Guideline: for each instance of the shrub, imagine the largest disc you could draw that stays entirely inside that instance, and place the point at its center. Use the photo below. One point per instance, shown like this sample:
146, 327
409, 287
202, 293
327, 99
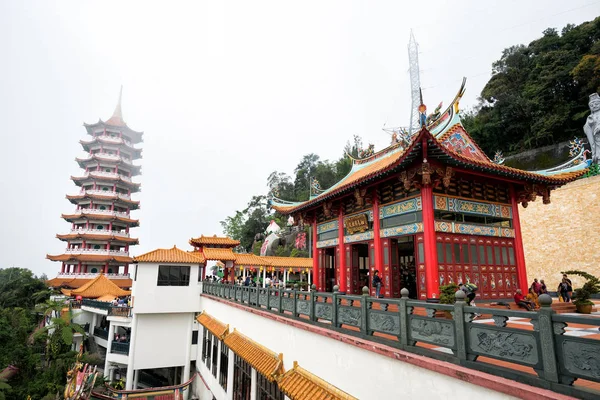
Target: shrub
582, 295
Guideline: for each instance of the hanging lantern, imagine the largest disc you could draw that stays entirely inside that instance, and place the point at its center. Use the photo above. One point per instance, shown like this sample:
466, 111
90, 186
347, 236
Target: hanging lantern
241, 267
290, 271
261, 269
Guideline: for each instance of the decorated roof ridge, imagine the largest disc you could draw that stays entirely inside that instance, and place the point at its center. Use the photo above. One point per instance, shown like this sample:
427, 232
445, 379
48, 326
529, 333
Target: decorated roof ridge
109, 194
101, 178
214, 240
90, 258
300, 384
102, 217
99, 286
263, 359
94, 236
216, 327
116, 120
173, 255
458, 128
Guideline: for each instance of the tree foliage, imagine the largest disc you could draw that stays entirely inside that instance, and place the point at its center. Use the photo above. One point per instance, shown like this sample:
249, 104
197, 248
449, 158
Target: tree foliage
538, 94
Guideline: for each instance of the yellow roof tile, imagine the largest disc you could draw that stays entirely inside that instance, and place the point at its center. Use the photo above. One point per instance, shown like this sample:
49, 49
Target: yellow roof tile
98, 287
215, 254
214, 240
289, 262
299, 384
171, 256
251, 260
215, 326
74, 283
265, 361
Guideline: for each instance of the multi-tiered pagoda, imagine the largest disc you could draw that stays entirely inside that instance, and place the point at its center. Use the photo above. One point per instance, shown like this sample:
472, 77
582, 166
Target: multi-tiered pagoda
100, 237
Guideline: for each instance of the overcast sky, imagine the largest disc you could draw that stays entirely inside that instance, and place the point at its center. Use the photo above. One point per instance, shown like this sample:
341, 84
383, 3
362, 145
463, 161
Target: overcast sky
226, 93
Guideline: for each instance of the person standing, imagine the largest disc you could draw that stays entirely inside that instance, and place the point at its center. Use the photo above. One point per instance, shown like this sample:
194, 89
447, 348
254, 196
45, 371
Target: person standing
563, 290
569, 287
536, 286
544, 288
377, 283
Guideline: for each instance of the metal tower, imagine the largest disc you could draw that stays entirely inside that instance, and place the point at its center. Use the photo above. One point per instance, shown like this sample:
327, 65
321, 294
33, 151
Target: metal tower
415, 83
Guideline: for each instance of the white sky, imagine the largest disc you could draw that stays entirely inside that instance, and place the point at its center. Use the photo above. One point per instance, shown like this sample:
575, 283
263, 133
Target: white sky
226, 92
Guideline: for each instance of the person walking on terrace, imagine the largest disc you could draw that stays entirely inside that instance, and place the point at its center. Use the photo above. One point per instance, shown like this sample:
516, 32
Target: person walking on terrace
563, 290
544, 288
536, 287
377, 284
522, 302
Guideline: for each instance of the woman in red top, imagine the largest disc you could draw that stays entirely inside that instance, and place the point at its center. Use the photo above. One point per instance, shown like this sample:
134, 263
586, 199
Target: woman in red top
522, 302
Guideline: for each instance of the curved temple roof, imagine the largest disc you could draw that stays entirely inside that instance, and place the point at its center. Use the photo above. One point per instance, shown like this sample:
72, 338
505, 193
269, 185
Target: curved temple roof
447, 141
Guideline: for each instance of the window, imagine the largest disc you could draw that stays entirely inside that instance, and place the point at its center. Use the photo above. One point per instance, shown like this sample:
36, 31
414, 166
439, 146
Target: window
440, 253
266, 390
207, 347
172, 275
511, 256
474, 254
457, 253
448, 253
215, 353
200, 273
194, 337
204, 338
242, 379
490, 255
481, 254
504, 256
224, 366
465, 253
421, 248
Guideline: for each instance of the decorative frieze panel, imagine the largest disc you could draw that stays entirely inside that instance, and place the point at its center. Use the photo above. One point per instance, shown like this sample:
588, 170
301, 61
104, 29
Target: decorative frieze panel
510, 346
402, 207
472, 207
324, 311
434, 331
468, 229
580, 357
303, 307
359, 237
402, 230
327, 226
349, 316
327, 243
384, 322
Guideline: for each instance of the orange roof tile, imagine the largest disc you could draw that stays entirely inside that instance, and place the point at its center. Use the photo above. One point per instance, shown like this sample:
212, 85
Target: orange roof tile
262, 359
99, 286
74, 283
215, 326
171, 256
92, 236
90, 258
299, 384
217, 254
214, 241
289, 262
251, 260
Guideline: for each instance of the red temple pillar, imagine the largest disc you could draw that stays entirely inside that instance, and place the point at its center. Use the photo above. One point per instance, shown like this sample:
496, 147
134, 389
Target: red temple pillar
431, 257
106, 268
341, 262
126, 269
62, 269
316, 257
79, 267
384, 272
519, 250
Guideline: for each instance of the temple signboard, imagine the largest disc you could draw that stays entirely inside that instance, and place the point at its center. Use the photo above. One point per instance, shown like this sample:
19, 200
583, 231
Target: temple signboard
357, 223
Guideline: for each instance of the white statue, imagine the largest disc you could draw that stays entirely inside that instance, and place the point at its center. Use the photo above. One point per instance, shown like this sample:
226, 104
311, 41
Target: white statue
592, 127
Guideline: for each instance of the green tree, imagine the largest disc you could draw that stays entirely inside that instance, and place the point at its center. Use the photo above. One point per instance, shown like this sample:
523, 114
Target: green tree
20, 288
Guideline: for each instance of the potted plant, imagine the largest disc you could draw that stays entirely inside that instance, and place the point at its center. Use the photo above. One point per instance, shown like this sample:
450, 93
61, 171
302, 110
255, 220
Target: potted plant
447, 296
582, 295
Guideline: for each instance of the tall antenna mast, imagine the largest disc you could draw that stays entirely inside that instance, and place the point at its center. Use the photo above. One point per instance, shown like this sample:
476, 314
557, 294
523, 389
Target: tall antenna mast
415, 83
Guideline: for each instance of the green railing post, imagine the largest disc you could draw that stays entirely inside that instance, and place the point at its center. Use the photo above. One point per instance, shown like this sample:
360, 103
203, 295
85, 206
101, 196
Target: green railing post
364, 321
546, 329
459, 324
313, 291
403, 311
335, 303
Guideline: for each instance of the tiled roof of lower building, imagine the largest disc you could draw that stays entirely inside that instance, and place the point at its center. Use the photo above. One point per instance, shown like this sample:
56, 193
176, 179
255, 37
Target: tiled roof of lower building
214, 241
171, 256
217, 254
265, 361
215, 326
74, 283
98, 287
289, 262
299, 384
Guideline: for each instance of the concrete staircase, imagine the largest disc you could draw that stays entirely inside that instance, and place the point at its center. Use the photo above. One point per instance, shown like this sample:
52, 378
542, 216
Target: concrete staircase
563, 308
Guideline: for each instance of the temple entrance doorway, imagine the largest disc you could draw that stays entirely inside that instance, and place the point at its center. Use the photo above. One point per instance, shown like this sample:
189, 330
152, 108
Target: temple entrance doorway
406, 276
329, 263
359, 271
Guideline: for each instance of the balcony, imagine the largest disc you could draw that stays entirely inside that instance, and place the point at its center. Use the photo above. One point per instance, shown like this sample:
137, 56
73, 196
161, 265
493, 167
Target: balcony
102, 174
103, 212
99, 232
116, 140
119, 348
101, 333
106, 193
90, 275
98, 252
110, 157
102, 305
117, 311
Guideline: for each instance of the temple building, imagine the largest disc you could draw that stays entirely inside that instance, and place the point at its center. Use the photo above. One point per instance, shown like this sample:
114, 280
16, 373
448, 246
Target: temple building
429, 210
100, 239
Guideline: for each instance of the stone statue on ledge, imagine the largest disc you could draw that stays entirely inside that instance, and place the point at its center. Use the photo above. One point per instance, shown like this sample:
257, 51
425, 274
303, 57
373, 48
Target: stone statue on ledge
592, 127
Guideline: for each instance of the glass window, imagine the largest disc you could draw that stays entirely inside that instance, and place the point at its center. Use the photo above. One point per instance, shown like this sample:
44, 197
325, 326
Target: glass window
497, 255
465, 253
421, 252
481, 254
511, 256
267, 390
194, 337
457, 253
440, 251
448, 253
173, 275
504, 256
474, 254
215, 352
224, 366
490, 255
242, 379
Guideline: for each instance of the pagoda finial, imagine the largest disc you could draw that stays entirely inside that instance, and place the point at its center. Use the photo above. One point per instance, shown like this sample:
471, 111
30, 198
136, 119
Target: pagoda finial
117, 117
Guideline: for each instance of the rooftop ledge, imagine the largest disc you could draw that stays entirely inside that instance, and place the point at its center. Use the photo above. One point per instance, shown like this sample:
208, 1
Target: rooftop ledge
486, 370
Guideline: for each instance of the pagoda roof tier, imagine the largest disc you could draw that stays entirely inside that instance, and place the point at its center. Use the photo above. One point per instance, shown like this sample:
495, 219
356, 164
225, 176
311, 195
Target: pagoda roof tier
109, 159
88, 145
452, 147
76, 282
106, 176
96, 234
214, 241
97, 256
104, 195
171, 256
93, 215
100, 286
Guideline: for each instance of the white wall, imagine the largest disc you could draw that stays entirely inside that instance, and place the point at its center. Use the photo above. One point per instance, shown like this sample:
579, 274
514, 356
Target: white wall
361, 373
161, 340
148, 297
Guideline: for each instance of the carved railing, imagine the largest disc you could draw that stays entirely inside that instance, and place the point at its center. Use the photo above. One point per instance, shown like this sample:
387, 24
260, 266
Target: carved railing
447, 332
116, 311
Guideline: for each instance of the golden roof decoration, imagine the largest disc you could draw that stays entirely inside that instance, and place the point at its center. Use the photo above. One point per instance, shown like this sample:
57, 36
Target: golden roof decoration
171, 256
299, 384
265, 361
216, 327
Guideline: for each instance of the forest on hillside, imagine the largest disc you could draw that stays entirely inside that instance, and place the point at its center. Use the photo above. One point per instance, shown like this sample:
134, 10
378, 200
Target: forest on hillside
537, 95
